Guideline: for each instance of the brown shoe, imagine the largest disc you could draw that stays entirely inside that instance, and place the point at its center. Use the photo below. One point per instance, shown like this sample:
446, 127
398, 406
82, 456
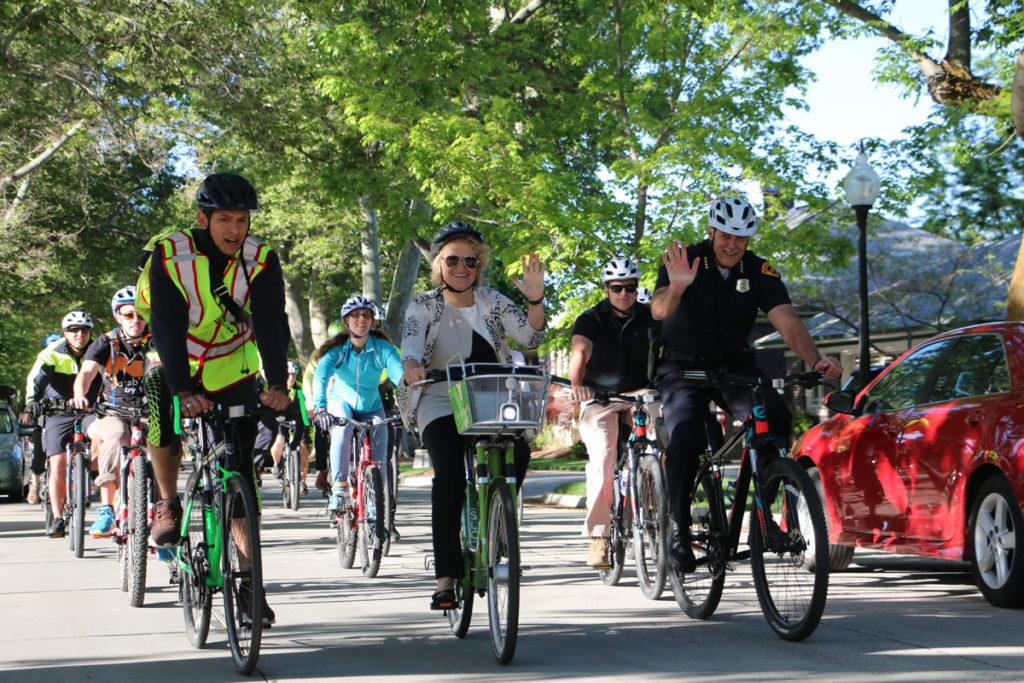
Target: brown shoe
598, 557
321, 481
166, 531
33, 493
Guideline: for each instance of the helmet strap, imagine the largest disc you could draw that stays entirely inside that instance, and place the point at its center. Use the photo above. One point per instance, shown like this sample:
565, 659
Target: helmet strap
624, 311
452, 289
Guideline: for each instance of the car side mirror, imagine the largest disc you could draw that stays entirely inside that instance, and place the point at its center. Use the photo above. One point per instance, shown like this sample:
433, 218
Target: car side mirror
841, 401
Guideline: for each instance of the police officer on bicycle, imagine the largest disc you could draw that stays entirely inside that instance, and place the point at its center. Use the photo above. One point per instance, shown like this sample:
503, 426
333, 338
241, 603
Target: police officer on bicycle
610, 345
708, 296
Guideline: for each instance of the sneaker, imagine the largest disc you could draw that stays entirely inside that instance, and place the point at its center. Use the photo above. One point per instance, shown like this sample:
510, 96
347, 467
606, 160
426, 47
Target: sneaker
56, 528
303, 491
278, 471
33, 493
680, 553
166, 529
337, 502
244, 595
599, 547
104, 522
321, 482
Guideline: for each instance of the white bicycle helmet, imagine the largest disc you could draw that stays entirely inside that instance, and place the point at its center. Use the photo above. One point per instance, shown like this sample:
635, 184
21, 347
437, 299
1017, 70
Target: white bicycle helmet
356, 302
733, 215
76, 319
619, 269
125, 295
643, 296
293, 369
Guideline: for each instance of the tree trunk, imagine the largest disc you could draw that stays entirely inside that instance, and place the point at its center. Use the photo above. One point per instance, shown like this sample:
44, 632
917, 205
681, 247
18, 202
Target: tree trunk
319, 314
1017, 96
293, 307
406, 271
370, 248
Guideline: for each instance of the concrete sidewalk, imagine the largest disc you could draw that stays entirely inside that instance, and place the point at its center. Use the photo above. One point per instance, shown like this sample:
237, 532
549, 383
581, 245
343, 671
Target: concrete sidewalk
538, 488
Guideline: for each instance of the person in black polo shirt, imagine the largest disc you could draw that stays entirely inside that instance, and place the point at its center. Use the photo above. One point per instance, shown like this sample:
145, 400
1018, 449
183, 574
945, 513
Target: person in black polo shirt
708, 295
609, 351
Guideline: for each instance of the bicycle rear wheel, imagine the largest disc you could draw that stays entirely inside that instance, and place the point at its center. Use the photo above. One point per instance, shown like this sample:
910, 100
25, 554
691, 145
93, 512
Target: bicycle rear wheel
372, 531
502, 574
649, 531
792, 598
193, 593
460, 615
699, 592
137, 543
44, 497
242, 573
390, 477
293, 479
348, 533
80, 485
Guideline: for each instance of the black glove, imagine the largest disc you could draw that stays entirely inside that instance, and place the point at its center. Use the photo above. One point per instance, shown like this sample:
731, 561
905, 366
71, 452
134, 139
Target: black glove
324, 420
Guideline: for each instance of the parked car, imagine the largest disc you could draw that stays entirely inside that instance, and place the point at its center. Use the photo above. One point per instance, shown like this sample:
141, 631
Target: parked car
929, 458
12, 460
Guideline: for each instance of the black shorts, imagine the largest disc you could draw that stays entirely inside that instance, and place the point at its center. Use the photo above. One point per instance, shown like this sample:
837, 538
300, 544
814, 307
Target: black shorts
60, 430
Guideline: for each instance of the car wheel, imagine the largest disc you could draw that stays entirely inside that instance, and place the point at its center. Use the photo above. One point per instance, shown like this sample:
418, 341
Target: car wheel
839, 556
994, 532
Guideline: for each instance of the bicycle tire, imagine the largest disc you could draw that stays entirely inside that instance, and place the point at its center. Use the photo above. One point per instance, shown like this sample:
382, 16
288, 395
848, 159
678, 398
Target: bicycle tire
243, 585
122, 564
371, 528
44, 497
293, 476
193, 593
286, 492
460, 616
791, 598
503, 574
611, 574
347, 538
699, 592
81, 488
390, 477
138, 533
650, 543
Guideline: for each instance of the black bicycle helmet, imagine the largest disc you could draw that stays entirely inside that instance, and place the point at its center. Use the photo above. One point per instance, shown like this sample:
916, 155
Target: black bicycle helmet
451, 231
227, 191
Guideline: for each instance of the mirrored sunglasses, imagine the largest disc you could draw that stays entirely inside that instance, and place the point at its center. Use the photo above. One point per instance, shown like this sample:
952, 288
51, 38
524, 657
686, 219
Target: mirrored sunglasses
470, 261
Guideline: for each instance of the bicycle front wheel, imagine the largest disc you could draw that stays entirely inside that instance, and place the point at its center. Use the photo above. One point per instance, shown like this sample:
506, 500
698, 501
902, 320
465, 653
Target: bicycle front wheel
372, 527
390, 478
611, 574
137, 543
293, 476
792, 598
193, 593
502, 574
242, 573
699, 592
80, 484
650, 527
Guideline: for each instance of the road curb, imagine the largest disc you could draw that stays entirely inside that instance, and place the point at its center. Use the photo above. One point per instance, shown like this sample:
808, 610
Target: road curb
558, 500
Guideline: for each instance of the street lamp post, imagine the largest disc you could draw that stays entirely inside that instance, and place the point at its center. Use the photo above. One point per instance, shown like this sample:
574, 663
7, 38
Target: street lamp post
861, 185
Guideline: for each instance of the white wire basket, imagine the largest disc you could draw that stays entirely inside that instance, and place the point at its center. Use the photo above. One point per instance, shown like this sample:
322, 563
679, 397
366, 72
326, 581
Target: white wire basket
497, 399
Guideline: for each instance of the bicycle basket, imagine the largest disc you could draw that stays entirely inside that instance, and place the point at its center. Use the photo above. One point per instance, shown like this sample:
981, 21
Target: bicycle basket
493, 399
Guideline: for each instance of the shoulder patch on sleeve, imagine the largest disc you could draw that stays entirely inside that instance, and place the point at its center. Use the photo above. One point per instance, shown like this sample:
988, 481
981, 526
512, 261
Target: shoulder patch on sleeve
766, 269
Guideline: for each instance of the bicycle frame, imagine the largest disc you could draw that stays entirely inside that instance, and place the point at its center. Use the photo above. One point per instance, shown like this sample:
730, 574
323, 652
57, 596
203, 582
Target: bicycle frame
485, 470
78, 437
126, 454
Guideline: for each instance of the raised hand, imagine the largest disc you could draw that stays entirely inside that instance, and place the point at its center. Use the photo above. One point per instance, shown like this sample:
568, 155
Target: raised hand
532, 284
679, 268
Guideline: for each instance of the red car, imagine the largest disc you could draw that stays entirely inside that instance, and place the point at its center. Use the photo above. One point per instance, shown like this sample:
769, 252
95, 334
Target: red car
928, 459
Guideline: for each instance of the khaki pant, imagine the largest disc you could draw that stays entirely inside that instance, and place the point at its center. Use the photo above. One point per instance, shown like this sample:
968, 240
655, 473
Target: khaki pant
111, 431
599, 429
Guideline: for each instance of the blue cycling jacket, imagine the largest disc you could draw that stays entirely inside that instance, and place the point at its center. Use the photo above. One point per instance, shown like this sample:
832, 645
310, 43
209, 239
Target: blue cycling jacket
357, 375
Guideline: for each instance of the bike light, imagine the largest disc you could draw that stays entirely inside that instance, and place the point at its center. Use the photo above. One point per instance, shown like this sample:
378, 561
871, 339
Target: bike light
509, 412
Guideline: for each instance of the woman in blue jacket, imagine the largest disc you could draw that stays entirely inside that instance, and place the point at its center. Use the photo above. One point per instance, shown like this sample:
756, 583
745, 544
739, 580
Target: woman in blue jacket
356, 366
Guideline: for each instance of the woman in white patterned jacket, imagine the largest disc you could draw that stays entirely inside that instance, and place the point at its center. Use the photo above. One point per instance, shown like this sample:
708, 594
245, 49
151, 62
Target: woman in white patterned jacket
460, 318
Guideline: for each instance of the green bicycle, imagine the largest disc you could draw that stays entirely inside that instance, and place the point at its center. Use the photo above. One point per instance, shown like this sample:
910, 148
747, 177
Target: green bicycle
220, 540
495, 404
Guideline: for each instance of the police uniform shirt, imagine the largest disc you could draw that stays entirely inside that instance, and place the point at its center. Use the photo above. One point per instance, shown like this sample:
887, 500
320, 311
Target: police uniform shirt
716, 315
618, 360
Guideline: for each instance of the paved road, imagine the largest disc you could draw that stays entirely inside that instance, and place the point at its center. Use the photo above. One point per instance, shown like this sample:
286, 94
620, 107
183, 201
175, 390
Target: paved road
889, 618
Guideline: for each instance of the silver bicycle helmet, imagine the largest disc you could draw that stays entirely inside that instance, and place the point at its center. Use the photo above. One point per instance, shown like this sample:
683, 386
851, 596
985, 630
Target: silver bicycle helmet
643, 295
619, 269
356, 302
76, 319
125, 295
733, 215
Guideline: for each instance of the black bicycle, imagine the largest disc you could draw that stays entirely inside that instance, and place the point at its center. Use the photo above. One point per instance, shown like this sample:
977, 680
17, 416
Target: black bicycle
77, 481
788, 541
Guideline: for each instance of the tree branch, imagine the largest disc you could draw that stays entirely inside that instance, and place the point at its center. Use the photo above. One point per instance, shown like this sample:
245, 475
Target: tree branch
43, 156
526, 12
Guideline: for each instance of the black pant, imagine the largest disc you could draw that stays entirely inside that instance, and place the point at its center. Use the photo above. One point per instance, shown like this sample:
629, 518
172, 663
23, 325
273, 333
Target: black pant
321, 448
684, 406
447, 453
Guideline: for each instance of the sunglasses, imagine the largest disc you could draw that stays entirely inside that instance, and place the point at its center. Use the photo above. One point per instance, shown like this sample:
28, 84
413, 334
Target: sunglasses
364, 315
470, 261
78, 330
130, 316
618, 288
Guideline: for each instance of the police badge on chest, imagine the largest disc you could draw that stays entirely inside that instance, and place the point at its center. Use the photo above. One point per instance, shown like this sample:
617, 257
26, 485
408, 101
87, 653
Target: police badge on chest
743, 285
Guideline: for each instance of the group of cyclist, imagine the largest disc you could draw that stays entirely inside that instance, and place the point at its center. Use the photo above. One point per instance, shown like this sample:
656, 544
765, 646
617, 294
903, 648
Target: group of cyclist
208, 314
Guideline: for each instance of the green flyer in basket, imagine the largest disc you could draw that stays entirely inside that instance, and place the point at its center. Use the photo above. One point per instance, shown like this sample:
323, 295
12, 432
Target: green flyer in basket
461, 405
